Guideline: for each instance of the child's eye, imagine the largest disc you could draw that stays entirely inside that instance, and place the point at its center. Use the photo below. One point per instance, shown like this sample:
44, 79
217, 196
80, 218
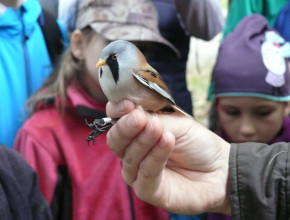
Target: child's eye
232, 112
264, 113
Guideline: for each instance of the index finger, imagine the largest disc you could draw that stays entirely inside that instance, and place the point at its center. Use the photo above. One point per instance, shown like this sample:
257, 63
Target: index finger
124, 131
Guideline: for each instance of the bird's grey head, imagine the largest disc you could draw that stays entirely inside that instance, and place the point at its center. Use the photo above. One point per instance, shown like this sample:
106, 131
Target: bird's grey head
120, 55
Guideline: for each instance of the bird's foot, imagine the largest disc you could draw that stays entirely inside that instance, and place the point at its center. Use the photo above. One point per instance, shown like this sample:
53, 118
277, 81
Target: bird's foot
99, 126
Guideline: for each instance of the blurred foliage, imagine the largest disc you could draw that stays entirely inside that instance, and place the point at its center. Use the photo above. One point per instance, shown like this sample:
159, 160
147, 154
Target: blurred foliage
224, 4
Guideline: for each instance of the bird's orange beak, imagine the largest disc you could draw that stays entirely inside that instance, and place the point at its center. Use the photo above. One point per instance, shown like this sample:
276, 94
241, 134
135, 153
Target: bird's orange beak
101, 62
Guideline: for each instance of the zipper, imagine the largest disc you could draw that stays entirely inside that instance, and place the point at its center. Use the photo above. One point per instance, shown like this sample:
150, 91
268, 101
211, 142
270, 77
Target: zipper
132, 210
25, 53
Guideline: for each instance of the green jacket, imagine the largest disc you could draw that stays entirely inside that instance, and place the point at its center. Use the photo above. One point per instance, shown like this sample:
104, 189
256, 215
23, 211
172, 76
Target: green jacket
241, 8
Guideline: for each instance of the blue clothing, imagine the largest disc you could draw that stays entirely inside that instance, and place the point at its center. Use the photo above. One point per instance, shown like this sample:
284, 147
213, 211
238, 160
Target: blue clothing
24, 64
187, 217
172, 69
283, 21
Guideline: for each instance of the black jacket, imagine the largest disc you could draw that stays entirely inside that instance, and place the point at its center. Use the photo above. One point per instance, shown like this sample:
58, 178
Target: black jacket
260, 181
20, 196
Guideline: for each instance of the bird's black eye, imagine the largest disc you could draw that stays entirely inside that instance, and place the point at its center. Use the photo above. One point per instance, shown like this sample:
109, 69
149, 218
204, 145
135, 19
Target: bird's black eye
114, 57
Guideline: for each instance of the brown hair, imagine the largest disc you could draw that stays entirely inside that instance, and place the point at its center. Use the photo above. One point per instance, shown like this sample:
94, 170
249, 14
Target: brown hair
68, 70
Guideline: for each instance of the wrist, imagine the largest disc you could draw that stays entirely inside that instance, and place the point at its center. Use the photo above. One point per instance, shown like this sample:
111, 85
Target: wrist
227, 205
223, 206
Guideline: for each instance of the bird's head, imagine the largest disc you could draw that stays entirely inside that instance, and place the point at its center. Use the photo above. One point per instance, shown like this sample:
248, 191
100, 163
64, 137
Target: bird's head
120, 57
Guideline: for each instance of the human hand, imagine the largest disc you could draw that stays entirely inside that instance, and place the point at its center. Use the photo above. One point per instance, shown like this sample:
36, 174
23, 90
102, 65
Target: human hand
171, 161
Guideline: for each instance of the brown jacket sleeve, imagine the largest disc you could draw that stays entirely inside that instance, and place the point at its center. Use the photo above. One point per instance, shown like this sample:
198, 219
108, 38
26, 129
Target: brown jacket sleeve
260, 181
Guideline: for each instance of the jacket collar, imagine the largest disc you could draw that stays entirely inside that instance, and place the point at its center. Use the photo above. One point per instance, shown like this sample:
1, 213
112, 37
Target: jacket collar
77, 99
85, 105
284, 134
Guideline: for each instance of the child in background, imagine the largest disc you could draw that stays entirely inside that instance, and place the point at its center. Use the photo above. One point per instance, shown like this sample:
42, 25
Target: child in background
177, 21
252, 86
81, 181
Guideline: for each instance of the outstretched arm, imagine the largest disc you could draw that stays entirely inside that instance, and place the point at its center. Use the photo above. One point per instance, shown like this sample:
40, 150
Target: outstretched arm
177, 164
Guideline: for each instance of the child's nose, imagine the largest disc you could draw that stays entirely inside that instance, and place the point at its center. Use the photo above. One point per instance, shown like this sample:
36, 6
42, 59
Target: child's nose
247, 127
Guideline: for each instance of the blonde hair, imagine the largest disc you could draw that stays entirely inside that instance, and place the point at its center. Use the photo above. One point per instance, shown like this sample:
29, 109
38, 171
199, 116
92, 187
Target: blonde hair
66, 72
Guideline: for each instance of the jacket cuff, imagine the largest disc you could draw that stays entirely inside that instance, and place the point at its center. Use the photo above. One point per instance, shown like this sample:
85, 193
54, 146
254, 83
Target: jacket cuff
259, 181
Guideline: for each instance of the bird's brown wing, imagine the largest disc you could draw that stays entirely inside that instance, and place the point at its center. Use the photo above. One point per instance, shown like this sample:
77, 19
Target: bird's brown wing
154, 81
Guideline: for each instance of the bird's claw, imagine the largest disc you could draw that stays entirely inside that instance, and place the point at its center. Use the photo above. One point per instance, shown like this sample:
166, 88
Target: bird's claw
99, 126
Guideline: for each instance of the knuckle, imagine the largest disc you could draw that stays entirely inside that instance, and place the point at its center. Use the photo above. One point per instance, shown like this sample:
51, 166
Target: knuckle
143, 169
113, 145
127, 176
155, 157
128, 161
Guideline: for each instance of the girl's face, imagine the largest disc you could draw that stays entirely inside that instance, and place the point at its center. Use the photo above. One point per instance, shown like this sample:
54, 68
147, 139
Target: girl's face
250, 119
88, 51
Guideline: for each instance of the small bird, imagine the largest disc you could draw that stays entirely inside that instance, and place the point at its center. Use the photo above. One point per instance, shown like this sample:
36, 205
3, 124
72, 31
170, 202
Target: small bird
125, 73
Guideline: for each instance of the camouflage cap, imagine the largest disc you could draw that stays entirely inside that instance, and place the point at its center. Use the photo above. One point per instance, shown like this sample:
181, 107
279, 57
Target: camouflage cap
132, 20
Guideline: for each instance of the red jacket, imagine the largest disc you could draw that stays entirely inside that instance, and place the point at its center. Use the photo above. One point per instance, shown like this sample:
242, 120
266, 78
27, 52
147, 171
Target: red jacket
79, 181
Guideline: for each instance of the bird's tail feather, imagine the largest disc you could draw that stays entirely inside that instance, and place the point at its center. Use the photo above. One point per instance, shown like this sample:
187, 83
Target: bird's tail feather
178, 109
